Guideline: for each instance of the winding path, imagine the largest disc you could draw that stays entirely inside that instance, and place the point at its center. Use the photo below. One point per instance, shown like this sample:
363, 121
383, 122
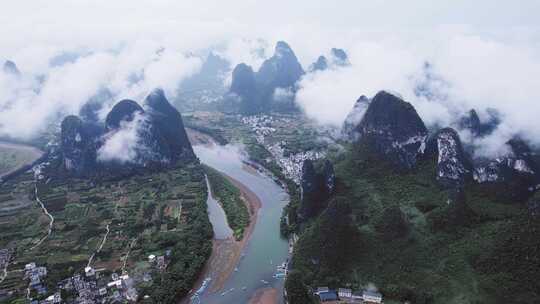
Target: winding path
51, 223
128, 252
100, 246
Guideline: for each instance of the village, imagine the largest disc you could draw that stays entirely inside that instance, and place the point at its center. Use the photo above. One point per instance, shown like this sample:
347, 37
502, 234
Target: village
100, 285
346, 295
87, 287
91, 287
291, 165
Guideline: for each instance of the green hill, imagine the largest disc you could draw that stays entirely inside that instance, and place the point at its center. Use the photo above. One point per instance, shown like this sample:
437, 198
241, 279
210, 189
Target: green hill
416, 241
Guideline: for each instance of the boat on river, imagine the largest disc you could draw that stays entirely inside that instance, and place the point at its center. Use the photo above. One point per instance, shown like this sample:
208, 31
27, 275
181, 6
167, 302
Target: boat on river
266, 249
203, 287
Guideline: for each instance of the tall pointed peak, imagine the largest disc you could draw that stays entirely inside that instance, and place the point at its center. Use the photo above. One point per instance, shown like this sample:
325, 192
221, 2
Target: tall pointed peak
124, 110
156, 98
394, 129
282, 47
339, 56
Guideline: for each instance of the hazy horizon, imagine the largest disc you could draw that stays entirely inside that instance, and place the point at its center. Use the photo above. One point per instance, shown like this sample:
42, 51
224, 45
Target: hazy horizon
485, 54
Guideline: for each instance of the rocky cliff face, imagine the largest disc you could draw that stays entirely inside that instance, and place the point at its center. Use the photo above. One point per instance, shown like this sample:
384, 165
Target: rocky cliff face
320, 65
257, 90
79, 142
339, 57
210, 75
329, 177
90, 110
471, 121
243, 80
169, 124
393, 129
281, 70
317, 185
278, 74
150, 146
130, 138
518, 162
244, 86
453, 165
124, 111
353, 119
517, 173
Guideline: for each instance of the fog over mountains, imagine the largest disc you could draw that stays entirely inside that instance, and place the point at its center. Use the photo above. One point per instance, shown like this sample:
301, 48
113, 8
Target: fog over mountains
446, 61
394, 144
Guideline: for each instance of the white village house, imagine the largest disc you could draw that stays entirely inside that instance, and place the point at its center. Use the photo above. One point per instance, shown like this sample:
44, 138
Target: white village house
371, 297
344, 293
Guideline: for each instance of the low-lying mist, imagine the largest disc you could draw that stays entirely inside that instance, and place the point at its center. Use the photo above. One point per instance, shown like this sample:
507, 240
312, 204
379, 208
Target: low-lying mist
70, 51
443, 79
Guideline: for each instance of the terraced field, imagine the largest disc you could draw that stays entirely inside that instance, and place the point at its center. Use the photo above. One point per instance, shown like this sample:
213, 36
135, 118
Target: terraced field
146, 214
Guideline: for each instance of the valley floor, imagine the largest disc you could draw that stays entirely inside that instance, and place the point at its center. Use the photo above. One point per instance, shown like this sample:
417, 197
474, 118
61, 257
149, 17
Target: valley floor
442, 256
111, 227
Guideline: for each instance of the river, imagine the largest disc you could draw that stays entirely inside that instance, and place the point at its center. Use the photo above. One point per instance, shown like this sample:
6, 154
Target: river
265, 249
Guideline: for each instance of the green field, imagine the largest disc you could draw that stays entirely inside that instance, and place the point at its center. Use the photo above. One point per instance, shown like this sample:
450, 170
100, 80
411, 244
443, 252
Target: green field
154, 212
230, 200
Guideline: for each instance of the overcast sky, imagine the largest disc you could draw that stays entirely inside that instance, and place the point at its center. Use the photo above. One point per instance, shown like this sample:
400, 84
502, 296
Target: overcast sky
487, 51
104, 23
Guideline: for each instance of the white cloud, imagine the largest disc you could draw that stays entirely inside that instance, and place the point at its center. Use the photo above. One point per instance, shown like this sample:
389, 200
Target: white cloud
482, 72
283, 95
122, 145
488, 51
249, 51
130, 72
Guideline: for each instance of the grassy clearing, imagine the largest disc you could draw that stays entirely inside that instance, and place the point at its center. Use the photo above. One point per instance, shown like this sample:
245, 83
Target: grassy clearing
231, 201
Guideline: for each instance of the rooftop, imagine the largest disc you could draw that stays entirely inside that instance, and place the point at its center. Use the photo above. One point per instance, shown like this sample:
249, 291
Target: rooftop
328, 296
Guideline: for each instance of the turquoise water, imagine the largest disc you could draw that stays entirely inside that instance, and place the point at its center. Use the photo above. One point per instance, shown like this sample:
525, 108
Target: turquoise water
266, 249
